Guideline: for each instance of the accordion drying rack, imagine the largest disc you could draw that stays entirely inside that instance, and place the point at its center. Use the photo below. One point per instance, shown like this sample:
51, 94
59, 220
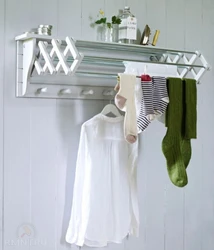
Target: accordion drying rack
49, 67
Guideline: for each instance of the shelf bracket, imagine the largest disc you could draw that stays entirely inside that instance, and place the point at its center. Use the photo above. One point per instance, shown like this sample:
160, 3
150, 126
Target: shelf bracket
25, 64
28, 59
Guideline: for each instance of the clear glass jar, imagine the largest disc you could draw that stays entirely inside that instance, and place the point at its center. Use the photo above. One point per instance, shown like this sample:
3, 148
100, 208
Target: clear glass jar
106, 34
123, 26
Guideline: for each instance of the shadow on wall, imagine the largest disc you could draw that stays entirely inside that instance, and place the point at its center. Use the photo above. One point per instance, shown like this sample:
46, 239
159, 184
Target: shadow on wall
71, 114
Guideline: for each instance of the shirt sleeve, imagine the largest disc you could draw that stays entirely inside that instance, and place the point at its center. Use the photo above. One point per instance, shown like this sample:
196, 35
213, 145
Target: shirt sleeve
76, 212
133, 162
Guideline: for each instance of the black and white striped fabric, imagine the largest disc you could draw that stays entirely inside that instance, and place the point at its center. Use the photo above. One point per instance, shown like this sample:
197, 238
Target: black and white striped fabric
146, 110
154, 101
160, 94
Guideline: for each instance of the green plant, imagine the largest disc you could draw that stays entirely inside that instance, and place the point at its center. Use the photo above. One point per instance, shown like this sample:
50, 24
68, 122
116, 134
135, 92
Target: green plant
116, 20
103, 19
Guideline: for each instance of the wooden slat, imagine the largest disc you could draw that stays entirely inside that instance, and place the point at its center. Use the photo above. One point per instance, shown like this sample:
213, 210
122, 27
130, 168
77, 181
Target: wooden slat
68, 131
156, 19
90, 10
43, 171
69, 18
2, 33
156, 178
43, 144
207, 199
45, 12
193, 192
16, 132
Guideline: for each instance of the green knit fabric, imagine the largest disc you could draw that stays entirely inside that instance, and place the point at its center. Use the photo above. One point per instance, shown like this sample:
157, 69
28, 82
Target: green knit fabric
190, 108
171, 144
181, 120
186, 151
189, 128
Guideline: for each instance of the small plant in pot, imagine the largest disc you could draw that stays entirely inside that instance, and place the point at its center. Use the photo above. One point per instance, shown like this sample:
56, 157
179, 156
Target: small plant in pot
107, 31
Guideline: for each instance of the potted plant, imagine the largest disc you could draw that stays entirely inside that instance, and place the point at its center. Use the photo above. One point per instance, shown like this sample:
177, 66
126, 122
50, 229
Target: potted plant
107, 31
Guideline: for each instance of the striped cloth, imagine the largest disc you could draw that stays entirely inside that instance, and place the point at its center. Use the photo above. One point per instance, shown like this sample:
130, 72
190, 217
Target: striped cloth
154, 101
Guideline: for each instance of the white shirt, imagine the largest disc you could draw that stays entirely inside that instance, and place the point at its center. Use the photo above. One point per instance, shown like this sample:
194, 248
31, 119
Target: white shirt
105, 205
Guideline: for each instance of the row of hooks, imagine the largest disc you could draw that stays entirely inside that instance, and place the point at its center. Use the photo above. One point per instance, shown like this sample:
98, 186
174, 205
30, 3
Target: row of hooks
88, 92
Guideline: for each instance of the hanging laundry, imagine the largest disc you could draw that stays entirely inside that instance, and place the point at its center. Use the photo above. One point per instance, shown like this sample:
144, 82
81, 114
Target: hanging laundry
156, 71
138, 95
160, 95
147, 110
190, 107
125, 101
105, 205
181, 118
189, 124
154, 100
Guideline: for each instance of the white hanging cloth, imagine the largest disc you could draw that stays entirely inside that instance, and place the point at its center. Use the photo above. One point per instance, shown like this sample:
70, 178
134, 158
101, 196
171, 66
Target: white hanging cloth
105, 205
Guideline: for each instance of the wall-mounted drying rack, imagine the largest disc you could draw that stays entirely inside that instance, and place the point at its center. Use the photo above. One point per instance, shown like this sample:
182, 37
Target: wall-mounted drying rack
51, 68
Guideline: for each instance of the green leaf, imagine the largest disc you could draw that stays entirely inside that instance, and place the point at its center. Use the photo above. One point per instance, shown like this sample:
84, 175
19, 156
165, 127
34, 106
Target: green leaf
113, 19
109, 25
101, 20
98, 21
118, 21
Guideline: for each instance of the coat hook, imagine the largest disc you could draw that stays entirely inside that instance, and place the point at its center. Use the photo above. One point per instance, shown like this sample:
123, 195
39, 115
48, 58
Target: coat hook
65, 91
42, 90
88, 92
108, 92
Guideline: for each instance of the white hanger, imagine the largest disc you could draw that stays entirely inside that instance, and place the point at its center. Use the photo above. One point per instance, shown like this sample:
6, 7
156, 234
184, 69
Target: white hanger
111, 108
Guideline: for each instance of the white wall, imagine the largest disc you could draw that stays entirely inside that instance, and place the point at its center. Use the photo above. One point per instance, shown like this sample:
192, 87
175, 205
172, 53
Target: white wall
39, 138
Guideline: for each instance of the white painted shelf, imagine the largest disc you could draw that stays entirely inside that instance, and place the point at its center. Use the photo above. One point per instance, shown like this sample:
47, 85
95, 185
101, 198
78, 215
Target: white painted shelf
49, 67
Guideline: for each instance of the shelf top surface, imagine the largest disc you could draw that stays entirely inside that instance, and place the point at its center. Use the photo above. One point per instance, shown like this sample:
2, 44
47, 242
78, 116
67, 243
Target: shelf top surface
105, 45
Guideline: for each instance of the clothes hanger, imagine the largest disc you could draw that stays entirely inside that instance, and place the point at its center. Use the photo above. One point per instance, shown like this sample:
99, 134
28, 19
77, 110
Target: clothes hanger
111, 109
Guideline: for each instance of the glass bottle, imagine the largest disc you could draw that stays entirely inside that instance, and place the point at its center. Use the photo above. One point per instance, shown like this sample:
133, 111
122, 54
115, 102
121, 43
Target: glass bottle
128, 27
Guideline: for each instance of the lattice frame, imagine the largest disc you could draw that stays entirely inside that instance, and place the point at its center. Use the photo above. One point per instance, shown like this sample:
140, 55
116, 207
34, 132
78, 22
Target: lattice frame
181, 57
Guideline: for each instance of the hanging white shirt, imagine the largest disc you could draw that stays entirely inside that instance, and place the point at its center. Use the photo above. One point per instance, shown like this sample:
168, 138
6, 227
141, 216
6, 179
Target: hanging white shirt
105, 205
